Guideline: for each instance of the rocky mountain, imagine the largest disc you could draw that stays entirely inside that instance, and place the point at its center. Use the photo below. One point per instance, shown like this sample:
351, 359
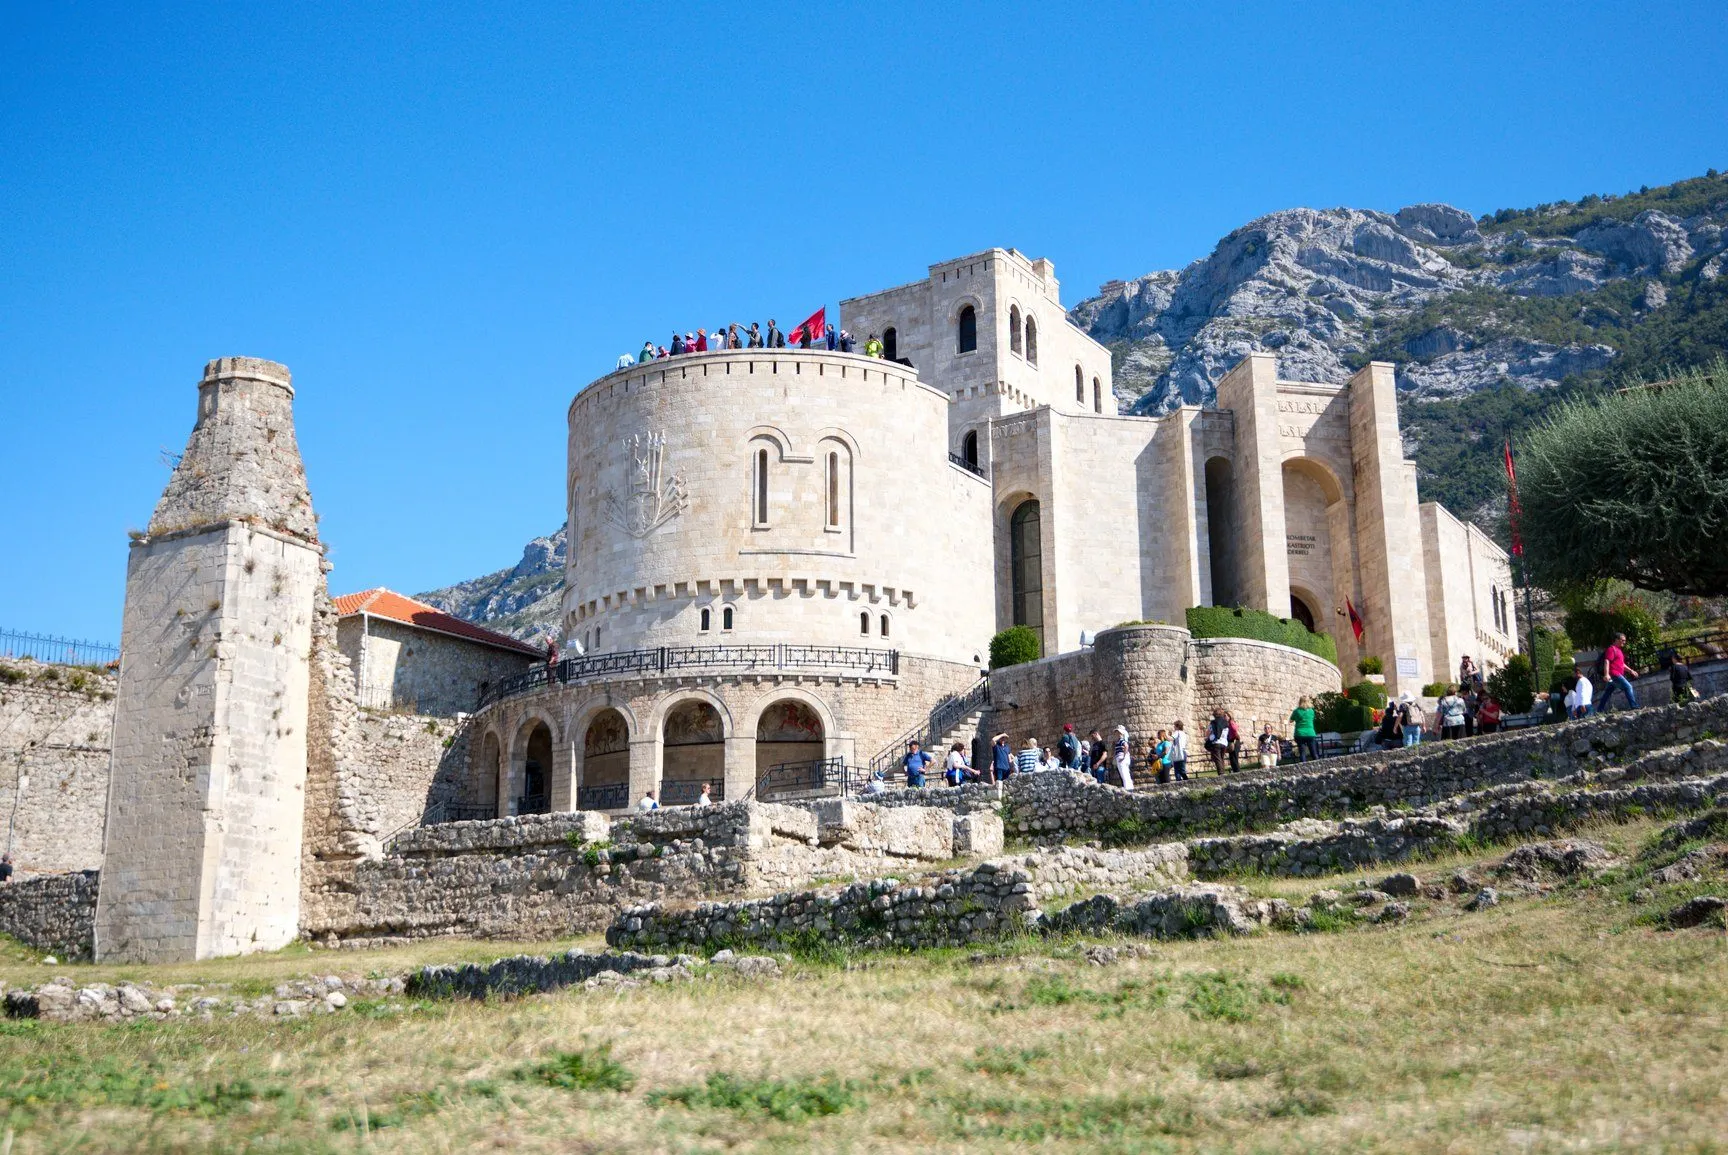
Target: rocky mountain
522, 601
1490, 320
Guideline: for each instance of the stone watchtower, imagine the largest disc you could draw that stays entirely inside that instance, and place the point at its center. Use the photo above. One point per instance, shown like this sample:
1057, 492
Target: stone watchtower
207, 786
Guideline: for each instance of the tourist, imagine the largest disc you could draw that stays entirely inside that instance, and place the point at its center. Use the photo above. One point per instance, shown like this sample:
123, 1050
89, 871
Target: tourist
1068, 749
848, 343
1390, 733
1488, 715
1617, 675
1158, 754
1051, 762
804, 338
1083, 760
5, 868
551, 653
1223, 741
1410, 720
625, 360
1001, 758
1124, 756
776, 339
1472, 700
914, 763
662, 353
1030, 757
701, 340
1235, 744
1680, 681
832, 338
1268, 748
1099, 766
1302, 729
1451, 713
958, 769
755, 341
733, 340
677, 344
877, 784
649, 802
1178, 752
872, 347
705, 798
647, 353
1466, 671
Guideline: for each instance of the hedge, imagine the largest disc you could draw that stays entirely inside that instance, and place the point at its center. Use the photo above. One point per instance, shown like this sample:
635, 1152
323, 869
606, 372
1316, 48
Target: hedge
1224, 622
1014, 646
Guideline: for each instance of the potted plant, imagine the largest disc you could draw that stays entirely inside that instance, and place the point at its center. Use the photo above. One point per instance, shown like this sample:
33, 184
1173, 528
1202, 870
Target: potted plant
1372, 669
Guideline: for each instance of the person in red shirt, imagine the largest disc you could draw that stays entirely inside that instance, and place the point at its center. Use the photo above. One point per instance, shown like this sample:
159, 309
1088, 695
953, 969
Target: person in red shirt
1616, 675
1488, 715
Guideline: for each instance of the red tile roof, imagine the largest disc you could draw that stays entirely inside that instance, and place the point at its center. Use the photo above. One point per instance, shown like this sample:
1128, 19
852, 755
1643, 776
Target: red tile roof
383, 603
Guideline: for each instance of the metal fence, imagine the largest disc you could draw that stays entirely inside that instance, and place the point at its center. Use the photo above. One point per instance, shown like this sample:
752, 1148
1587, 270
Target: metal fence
669, 659
61, 651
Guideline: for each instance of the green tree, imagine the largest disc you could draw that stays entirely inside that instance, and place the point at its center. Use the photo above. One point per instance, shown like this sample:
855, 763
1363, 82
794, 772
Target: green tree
1633, 486
1014, 646
1514, 684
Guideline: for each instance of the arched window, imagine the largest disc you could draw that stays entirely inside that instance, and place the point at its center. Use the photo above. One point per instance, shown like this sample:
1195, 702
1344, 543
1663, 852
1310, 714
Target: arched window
726, 618
1097, 397
968, 335
1031, 340
707, 617
1026, 567
833, 494
884, 623
969, 448
759, 491
864, 622
1079, 386
891, 343
1494, 602
1014, 328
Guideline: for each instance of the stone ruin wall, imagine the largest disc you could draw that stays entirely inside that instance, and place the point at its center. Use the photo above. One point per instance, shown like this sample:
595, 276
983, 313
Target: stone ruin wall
1145, 677
56, 727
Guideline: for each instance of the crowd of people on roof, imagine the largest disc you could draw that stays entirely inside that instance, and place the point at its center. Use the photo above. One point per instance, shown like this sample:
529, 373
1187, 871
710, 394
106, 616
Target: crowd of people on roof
753, 336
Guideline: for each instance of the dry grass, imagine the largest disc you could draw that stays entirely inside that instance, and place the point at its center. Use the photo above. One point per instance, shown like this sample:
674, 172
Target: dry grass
1549, 1024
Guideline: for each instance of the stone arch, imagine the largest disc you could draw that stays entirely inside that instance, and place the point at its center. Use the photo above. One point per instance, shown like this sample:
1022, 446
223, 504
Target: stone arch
1305, 607
1031, 339
966, 327
604, 758
792, 727
1026, 565
533, 760
1317, 529
1014, 331
1097, 396
969, 448
891, 343
836, 469
1220, 530
691, 729
1079, 385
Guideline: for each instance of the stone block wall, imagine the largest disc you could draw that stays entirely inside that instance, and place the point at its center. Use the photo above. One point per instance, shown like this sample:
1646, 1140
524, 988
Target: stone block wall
56, 725
398, 666
52, 912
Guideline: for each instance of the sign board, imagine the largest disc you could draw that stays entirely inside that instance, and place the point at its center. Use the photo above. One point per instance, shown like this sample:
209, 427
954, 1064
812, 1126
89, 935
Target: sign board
1407, 667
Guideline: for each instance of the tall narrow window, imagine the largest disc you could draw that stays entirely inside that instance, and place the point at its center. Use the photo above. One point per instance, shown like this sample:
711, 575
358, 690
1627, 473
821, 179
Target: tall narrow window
1014, 329
968, 335
726, 618
864, 622
1026, 567
891, 343
1079, 386
969, 448
759, 491
1097, 397
1031, 340
833, 491
884, 623
707, 617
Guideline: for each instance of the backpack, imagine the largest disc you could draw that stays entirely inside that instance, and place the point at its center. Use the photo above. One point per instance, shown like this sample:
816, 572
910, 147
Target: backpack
1412, 713
1068, 748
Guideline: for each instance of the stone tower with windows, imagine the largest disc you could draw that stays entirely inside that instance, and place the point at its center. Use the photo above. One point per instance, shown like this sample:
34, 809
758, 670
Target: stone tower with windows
207, 785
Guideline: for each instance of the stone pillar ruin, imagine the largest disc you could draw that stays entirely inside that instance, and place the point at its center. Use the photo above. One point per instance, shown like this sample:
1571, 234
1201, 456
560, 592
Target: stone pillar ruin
207, 784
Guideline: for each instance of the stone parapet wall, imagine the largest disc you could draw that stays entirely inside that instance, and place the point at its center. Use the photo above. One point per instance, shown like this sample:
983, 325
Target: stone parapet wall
52, 912
56, 727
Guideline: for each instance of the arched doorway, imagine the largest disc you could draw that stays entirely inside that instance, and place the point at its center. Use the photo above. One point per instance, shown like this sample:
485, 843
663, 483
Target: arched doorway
693, 751
1220, 538
605, 782
788, 733
1302, 612
1026, 566
891, 343
969, 449
536, 797
1317, 536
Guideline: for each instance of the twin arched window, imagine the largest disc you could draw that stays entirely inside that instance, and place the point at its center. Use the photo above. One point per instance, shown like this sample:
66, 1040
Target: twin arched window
967, 341
1014, 345
1031, 340
1097, 397
1079, 386
864, 624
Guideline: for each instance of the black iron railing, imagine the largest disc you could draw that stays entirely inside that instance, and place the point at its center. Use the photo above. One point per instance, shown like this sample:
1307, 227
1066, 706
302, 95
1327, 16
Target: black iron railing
942, 719
533, 804
685, 791
969, 466
613, 796
818, 776
59, 651
1649, 658
673, 659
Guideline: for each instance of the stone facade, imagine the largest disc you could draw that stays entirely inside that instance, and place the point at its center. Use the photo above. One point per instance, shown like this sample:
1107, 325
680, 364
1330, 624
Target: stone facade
55, 728
53, 912
420, 671
1472, 606
1146, 677
206, 794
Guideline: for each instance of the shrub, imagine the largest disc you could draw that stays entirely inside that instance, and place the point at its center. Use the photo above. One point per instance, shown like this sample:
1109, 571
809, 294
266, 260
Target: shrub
1370, 665
1514, 684
1224, 622
1015, 646
1551, 655
1334, 711
1369, 694
588, 1070
1595, 628
1434, 690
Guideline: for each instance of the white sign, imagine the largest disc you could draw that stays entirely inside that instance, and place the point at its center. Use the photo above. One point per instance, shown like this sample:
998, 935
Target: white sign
1407, 667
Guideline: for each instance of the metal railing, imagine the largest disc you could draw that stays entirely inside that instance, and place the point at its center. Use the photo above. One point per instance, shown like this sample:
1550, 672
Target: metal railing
534, 804
942, 719
58, 651
685, 791
818, 776
969, 466
674, 659
612, 796
1649, 658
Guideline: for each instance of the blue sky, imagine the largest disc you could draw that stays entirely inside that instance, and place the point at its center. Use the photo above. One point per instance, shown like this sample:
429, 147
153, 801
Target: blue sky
447, 219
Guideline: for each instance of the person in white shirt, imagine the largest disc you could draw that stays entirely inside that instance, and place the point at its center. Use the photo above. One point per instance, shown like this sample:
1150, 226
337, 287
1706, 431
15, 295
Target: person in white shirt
1581, 699
703, 798
649, 802
1179, 752
1123, 754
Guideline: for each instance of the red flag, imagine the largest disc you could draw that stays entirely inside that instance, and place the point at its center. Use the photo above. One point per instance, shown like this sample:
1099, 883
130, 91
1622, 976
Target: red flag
1355, 619
1512, 508
817, 325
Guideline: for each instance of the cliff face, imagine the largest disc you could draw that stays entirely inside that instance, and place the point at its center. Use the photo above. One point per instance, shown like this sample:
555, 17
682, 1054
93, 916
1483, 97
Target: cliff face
521, 601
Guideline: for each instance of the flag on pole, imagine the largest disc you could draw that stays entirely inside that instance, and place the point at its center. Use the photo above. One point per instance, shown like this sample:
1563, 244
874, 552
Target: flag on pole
1515, 514
1355, 619
816, 324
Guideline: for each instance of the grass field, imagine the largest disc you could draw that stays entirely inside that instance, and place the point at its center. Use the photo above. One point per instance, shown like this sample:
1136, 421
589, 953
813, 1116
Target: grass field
1562, 1022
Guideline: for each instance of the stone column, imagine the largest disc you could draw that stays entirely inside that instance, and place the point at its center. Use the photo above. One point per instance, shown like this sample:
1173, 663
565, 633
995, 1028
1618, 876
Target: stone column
1250, 392
644, 768
1388, 534
207, 782
740, 772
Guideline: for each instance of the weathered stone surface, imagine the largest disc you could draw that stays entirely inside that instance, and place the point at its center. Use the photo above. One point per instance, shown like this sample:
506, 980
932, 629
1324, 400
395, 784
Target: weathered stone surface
1698, 911
1566, 859
53, 912
1401, 884
978, 835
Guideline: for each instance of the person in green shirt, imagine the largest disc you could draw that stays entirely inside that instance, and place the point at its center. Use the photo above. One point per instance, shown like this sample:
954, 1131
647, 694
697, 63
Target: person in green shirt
1307, 740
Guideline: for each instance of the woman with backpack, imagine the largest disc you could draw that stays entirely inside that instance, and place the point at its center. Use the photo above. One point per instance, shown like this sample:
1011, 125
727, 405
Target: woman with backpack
1451, 711
1410, 719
